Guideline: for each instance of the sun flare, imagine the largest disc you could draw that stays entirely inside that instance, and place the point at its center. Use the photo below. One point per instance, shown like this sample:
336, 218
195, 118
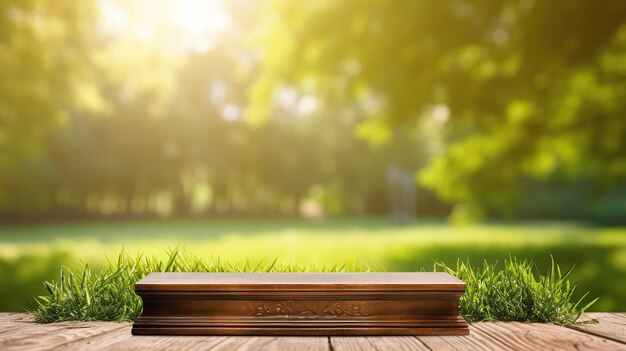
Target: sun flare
187, 24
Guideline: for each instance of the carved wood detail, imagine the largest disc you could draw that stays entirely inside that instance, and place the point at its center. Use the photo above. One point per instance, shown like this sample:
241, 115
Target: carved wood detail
289, 309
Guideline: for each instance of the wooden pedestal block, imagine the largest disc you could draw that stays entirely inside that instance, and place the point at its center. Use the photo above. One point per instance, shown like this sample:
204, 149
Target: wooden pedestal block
300, 304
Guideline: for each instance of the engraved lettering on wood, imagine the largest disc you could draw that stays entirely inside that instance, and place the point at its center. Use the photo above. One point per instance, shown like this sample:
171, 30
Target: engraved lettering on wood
287, 310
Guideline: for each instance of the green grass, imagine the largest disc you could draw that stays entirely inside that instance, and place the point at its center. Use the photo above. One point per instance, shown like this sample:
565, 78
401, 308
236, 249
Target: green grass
517, 292
513, 292
32, 254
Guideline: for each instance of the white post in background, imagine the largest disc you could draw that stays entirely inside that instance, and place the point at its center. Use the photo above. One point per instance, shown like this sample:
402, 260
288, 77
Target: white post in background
402, 194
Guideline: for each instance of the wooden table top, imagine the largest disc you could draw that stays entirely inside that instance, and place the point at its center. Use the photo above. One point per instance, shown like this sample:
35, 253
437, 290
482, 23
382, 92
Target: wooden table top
19, 332
349, 281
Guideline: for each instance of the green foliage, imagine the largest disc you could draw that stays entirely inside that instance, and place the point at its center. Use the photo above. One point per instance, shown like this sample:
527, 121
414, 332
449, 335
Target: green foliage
100, 122
513, 293
42, 54
531, 94
481, 96
516, 292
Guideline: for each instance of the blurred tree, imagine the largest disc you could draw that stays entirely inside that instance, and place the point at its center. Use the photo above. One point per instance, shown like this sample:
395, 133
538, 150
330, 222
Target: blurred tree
42, 55
116, 107
504, 91
113, 122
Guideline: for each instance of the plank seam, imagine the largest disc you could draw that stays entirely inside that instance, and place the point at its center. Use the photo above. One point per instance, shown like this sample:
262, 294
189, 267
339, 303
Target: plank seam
30, 327
619, 315
423, 343
330, 344
592, 333
372, 344
220, 342
16, 327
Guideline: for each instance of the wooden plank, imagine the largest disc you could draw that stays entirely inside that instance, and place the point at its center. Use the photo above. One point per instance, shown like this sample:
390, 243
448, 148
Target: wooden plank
342, 343
13, 321
397, 343
46, 336
6, 327
15, 317
26, 329
268, 343
609, 334
103, 341
527, 336
610, 325
297, 304
392, 343
157, 343
477, 340
221, 343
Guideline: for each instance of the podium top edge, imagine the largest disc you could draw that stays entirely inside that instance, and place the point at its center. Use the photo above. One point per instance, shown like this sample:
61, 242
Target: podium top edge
297, 281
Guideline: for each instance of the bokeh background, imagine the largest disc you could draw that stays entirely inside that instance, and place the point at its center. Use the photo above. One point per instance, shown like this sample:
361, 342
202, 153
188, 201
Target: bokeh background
384, 133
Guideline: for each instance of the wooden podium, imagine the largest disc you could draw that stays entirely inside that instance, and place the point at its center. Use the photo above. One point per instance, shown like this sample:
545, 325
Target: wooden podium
300, 304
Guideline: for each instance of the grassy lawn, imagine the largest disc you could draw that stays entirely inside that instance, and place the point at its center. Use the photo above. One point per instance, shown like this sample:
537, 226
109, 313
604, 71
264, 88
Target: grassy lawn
31, 254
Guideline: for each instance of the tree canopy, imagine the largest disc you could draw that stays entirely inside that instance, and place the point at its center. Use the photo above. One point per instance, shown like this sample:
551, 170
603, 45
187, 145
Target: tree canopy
247, 107
518, 89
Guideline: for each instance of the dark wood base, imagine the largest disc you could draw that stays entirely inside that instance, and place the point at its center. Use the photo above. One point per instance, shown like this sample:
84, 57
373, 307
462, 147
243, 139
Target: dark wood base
300, 304
295, 331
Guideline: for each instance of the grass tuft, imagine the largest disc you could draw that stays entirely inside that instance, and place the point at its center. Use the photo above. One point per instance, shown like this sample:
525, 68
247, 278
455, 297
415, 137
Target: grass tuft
515, 292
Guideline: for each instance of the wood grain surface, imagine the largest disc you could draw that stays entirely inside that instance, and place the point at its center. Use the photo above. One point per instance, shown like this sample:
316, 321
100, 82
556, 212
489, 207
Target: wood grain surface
527, 336
606, 335
610, 325
300, 281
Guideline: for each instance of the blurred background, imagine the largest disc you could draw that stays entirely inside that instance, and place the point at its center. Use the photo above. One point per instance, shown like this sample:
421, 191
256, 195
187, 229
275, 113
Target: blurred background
387, 133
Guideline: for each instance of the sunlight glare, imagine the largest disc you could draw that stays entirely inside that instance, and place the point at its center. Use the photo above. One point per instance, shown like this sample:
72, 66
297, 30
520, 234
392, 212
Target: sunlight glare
193, 25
